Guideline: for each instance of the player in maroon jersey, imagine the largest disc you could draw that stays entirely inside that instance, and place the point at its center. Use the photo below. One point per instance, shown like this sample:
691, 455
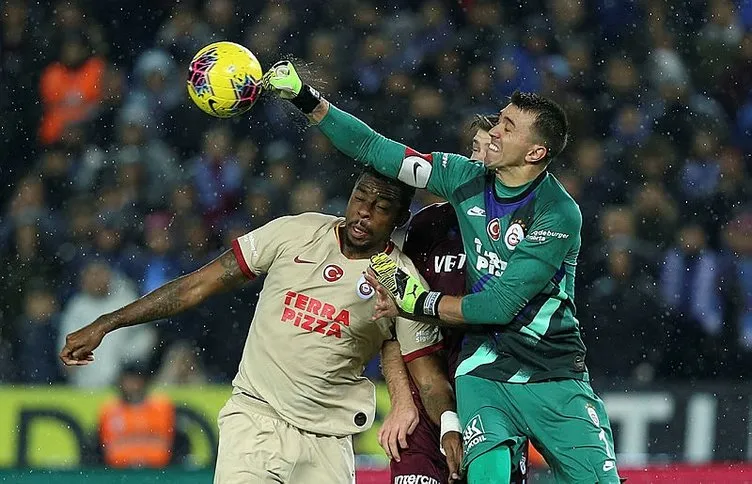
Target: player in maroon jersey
434, 245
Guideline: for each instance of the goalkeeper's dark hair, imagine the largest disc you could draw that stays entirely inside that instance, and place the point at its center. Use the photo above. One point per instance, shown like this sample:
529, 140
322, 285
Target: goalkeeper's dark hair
551, 123
406, 192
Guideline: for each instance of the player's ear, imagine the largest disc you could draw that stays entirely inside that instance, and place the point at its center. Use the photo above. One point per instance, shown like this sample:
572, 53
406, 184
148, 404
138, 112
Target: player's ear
536, 154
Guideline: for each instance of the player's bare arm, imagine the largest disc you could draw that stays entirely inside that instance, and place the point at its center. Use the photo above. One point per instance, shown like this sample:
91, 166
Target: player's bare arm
178, 295
403, 417
438, 399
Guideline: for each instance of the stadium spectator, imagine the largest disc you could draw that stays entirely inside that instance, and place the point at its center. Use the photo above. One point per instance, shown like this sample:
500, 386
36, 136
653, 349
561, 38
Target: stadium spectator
25, 259
101, 291
110, 241
181, 366
599, 181
157, 161
157, 90
617, 226
690, 280
277, 165
220, 17
737, 239
197, 244
657, 213
307, 196
38, 325
183, 34
733, 190
693, 286
608, 315
104, 121
55, 169
137, 430
20, 65
70, 88
216, 175
160, 261
72, 17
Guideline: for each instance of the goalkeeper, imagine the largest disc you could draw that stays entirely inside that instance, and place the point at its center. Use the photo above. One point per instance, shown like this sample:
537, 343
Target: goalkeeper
522, 367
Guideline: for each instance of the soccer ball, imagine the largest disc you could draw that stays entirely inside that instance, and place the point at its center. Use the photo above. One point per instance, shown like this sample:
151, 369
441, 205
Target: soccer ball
224, 79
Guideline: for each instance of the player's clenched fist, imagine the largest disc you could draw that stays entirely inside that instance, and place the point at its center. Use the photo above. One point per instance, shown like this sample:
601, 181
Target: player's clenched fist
80, 345
283, 80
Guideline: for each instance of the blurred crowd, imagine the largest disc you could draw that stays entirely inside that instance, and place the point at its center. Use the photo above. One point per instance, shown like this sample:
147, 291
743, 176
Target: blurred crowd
114, 183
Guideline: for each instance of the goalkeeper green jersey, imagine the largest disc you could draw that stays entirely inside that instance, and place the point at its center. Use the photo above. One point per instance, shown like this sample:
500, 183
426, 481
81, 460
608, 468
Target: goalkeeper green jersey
521, 246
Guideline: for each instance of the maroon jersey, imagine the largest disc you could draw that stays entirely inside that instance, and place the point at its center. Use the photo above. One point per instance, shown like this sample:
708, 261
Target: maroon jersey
434, 244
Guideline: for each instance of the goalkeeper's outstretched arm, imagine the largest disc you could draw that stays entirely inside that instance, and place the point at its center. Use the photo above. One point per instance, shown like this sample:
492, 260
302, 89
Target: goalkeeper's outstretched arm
347, 133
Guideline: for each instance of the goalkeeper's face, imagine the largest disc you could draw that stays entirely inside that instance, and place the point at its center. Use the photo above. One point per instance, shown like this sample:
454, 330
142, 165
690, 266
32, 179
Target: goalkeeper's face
512, 142
373, 211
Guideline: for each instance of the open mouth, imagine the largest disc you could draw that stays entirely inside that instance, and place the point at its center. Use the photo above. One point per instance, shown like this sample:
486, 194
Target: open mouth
358, 232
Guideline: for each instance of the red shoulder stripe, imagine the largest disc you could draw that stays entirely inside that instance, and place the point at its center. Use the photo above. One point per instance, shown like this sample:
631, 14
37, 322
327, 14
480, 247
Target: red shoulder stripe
241, 260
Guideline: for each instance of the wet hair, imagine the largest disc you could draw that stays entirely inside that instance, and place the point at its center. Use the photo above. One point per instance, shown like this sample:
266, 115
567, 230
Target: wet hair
550, 124
406, 192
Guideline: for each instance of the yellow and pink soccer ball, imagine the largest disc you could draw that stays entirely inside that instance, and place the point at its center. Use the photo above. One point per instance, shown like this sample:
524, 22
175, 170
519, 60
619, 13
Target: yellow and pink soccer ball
224, 79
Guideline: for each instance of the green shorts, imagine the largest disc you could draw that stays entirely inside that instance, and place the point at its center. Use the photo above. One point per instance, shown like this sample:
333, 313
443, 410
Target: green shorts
564, 420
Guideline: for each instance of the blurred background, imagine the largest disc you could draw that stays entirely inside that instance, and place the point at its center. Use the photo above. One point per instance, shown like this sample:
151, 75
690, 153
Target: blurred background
112, 183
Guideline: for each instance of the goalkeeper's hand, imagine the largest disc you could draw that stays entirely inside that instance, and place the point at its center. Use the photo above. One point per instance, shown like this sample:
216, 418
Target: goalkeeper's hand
283, 80
406, 290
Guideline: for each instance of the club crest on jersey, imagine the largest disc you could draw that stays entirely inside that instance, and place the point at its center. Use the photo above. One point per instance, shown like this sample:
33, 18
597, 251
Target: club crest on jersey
494, 229
333, 273
364, 290
593, 414
514, 235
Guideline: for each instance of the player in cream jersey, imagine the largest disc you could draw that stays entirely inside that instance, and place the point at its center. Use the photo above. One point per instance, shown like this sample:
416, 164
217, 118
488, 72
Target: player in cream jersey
313, 321
299, 394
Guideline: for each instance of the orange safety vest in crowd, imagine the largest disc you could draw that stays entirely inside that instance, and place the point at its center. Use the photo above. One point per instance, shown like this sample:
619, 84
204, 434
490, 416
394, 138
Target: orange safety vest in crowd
68, 96
138, 435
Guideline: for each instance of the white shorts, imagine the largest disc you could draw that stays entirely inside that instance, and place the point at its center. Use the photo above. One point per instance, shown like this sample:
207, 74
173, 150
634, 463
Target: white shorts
257, 446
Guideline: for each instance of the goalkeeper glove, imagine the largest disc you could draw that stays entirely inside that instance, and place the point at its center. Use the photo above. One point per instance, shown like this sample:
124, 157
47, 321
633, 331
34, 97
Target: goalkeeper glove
284, 80
406, 289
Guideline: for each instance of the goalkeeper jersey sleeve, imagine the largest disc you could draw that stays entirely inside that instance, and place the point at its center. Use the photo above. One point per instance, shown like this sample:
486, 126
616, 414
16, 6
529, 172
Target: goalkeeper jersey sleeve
440, 173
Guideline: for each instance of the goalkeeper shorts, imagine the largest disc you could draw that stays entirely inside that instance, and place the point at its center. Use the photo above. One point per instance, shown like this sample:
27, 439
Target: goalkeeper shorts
565, 420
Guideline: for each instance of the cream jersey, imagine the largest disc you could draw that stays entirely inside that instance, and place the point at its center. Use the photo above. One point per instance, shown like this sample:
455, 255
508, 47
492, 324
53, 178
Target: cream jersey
312, 332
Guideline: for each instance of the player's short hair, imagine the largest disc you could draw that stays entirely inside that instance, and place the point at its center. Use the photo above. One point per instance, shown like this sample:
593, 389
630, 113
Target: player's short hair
483, 122
550, 124
406, 192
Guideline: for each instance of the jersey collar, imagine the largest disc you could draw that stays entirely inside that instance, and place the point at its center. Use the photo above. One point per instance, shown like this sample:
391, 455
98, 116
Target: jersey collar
491, 180
389, 245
